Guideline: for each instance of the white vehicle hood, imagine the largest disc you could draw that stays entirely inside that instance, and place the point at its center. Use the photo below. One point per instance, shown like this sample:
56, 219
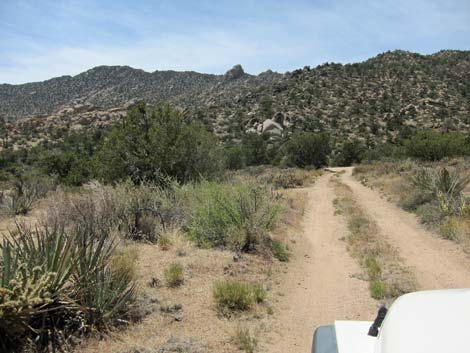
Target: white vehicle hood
352, 337
434, 321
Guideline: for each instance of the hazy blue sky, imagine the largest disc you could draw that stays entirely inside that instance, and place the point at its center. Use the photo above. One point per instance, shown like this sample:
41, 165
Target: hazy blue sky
40, 39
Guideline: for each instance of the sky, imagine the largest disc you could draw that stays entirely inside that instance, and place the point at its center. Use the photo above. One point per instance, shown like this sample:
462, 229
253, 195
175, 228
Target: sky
41, 39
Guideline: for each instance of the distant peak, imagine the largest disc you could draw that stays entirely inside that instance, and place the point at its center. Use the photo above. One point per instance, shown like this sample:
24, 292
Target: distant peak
234, 73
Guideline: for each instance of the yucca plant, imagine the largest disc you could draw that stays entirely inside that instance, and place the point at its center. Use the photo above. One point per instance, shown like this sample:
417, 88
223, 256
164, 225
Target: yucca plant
93, 252
441, 181
103, 289
106, 297
49, 248
444, 186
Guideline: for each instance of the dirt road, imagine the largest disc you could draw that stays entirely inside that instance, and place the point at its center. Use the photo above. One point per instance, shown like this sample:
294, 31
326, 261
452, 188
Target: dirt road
320, 286
437, 263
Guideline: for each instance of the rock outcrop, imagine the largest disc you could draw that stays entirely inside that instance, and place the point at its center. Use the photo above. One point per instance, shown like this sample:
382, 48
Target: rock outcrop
234, 73
271, 127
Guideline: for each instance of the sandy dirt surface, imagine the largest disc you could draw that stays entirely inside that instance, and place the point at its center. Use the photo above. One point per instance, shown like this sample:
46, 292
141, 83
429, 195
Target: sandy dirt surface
197, 325
437, 263
320, 285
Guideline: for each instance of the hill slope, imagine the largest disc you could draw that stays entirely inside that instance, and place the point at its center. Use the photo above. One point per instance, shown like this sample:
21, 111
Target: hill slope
101, 87
376, 100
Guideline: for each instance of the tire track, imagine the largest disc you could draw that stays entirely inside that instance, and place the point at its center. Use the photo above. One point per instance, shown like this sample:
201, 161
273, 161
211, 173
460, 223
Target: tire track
437, 263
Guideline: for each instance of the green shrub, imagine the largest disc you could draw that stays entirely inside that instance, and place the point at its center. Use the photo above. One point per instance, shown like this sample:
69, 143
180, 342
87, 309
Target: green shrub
349, 153
357, 222
238, 215
174, 275
433, 145
255, 149
430, 214
70, 160
306, 149
151, 143
448, 229
384, 151
279, 251
25, 188
233, 296
413, 199
259, 293
235, 157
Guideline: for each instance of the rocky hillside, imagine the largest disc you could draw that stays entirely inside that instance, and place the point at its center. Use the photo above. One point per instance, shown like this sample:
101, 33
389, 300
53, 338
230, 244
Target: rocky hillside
102, 87
379, 99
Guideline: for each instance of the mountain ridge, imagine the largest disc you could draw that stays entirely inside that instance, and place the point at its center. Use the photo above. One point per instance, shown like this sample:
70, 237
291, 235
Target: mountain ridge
376, 99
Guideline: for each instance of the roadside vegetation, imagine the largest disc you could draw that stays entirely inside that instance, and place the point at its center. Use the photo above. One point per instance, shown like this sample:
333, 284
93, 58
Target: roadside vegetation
437, 192
387, 276
423, 145
236, 215
75, 274
235, 296
156, 184
245, 340
59, 282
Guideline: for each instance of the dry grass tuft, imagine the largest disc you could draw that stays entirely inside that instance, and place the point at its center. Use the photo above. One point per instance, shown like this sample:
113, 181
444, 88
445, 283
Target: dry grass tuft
245, 340
232, 296
174, 275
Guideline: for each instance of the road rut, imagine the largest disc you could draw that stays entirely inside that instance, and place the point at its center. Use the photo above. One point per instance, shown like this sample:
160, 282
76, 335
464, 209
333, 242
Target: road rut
437, 263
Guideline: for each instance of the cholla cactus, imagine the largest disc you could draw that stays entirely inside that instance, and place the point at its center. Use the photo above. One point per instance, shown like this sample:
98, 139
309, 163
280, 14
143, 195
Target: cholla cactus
453, 205
26, 294
445, 203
